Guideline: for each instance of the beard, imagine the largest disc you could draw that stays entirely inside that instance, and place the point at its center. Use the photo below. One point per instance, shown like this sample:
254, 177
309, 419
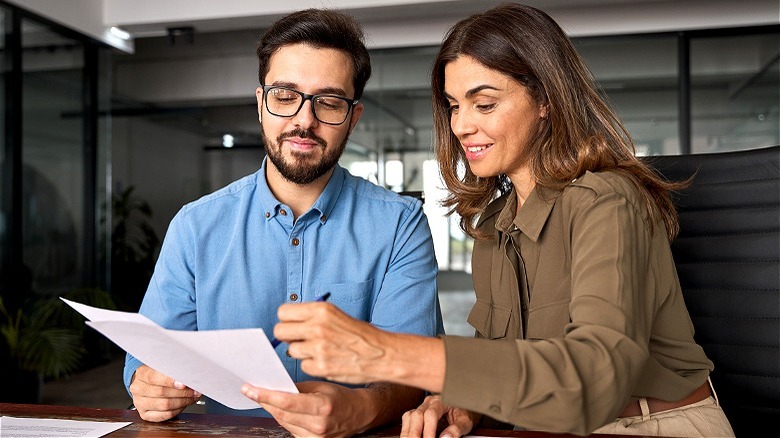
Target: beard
302, 169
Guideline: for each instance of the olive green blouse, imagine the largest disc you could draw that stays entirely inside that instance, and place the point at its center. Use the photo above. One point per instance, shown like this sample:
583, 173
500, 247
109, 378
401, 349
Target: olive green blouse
579, 311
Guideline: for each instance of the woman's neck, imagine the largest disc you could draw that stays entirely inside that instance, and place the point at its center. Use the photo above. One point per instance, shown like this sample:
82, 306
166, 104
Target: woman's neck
523, 183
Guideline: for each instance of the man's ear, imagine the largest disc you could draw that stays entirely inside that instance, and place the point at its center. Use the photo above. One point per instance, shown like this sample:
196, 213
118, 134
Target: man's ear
357, 111
259, 96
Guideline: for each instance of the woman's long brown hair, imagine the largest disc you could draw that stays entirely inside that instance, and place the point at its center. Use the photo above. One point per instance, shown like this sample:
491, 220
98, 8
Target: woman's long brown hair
580, 133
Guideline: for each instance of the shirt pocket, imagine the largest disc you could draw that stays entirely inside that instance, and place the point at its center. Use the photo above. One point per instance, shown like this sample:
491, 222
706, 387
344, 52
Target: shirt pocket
548, 320
354, 299
490, 321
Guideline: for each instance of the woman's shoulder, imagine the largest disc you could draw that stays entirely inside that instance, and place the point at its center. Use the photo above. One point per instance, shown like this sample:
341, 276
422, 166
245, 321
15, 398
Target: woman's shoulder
594, 186
606, 183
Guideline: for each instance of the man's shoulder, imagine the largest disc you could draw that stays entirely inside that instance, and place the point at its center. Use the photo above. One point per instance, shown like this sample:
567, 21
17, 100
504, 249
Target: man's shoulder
232, 193
367, 192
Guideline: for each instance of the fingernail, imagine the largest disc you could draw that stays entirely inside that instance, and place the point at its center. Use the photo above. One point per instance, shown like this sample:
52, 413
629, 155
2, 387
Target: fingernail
446, 435
197, 394
179, 385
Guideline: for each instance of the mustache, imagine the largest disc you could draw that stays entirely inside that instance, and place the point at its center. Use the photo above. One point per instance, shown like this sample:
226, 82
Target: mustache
302, 133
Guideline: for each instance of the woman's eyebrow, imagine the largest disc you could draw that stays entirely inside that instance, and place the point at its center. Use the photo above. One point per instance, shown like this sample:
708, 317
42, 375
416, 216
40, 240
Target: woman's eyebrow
479, 88
473, 91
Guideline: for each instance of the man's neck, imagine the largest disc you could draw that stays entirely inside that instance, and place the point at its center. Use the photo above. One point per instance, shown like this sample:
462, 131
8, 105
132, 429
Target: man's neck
299, 198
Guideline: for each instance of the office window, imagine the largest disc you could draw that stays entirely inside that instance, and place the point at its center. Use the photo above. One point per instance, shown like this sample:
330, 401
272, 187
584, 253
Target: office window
639, 77
735, 92
397, 129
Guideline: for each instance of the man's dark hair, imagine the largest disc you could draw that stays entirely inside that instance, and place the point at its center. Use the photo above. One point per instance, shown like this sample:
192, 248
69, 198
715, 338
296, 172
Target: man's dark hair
322, 29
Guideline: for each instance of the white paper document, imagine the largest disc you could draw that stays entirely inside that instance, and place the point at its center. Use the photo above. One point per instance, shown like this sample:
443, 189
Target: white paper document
215, 363
16, 427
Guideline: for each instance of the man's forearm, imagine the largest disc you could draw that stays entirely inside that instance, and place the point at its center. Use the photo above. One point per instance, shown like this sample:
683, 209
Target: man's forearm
388, 402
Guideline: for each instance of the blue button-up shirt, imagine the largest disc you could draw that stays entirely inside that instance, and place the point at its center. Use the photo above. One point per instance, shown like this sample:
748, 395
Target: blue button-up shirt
231, 258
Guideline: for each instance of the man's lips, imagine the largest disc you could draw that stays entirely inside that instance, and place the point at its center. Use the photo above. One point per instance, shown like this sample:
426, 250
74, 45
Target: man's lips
301, 144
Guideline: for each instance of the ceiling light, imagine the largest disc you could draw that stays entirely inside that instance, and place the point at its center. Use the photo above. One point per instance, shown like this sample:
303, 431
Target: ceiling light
119, 33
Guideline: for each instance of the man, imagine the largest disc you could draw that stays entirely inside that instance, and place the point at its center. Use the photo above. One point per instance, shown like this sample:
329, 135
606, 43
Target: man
299, 227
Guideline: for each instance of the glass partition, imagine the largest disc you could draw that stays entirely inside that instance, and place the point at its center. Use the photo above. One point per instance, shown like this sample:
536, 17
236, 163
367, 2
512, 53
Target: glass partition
735, 92
639, 77
52, 159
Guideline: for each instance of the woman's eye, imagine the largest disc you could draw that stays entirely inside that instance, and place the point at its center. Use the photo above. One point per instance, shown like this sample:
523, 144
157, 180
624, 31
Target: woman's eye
486, 107
453, 109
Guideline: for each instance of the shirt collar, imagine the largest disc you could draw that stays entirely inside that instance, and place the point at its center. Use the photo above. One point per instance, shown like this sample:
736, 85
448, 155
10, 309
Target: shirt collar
327, 200
532, 215
323, 205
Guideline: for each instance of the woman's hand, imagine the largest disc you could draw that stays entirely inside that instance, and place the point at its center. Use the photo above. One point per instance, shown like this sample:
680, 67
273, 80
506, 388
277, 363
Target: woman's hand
333, 345
424, 420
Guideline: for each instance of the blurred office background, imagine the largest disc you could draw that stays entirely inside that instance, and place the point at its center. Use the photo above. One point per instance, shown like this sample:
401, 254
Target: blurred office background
115, 113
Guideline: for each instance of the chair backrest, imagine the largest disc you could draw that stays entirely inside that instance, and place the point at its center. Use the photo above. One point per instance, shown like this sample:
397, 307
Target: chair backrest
728, 259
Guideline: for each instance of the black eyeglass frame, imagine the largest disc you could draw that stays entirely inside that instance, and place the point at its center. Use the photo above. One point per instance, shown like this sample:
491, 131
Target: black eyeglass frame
305, 96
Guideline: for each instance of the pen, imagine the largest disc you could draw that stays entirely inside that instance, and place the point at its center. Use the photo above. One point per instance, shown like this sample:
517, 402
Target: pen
275, 342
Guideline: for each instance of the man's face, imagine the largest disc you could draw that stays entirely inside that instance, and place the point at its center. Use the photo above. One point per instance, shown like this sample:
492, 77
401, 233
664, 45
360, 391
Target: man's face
301, 147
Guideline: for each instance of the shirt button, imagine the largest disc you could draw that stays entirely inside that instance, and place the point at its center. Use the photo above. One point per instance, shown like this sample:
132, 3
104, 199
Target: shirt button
293, 297
267, 214
283, 212
495, 409
295, 241
324, 218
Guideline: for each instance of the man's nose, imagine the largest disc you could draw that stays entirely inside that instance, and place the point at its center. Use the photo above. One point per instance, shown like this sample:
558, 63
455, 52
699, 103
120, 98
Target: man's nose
305, 116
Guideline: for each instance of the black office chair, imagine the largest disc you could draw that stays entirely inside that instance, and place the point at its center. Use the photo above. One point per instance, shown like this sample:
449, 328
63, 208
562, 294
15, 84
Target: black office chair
728, 259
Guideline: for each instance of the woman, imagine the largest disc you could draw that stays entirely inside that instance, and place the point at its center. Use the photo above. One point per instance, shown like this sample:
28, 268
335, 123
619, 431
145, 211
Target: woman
581, 324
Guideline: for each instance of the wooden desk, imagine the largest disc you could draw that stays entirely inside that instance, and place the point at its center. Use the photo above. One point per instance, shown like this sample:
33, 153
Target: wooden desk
202, 425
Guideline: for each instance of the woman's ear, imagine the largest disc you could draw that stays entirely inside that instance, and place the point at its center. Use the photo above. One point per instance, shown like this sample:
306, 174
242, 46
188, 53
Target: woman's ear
543, 111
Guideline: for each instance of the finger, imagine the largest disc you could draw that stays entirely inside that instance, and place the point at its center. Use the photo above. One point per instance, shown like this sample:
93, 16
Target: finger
161, 409
285, 401
412, 423
299, 413
461, 422
306, 321
299, 312
153, 377
453, 431
431, 418
143, 389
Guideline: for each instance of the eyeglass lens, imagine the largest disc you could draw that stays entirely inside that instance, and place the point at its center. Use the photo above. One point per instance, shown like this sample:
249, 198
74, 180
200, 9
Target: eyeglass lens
327, 109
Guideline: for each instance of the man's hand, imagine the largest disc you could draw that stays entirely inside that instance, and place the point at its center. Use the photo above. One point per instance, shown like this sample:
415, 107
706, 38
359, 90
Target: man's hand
423, 421
157, 397
320, 409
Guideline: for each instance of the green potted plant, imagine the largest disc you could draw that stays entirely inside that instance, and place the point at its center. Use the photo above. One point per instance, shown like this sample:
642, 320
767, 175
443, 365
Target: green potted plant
43, 339
133, 248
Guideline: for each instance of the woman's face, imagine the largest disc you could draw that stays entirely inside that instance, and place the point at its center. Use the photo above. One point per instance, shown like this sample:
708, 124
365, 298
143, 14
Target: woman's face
492, 115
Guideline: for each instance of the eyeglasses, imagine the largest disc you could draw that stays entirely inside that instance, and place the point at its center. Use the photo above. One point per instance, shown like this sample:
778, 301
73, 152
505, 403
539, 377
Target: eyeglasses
327, 108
